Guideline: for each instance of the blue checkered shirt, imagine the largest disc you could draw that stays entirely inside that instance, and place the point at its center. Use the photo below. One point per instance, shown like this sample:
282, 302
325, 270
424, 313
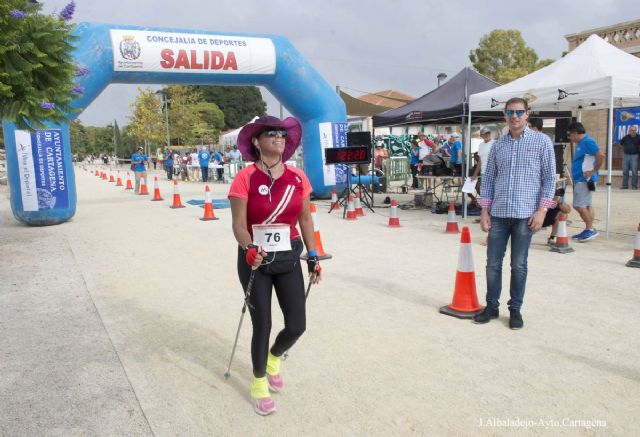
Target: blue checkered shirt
520, 176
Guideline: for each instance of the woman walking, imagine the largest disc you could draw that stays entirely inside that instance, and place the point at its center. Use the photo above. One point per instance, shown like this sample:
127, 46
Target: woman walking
268, 199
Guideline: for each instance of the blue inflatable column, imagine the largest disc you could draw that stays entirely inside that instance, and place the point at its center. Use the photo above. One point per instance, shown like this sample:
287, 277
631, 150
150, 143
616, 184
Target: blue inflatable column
40, 173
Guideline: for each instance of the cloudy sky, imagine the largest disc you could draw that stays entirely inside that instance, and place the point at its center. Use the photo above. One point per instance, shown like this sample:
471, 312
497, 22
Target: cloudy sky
360, 46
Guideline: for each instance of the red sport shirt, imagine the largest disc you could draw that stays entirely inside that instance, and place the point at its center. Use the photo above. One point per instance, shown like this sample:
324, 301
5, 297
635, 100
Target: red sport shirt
284, 203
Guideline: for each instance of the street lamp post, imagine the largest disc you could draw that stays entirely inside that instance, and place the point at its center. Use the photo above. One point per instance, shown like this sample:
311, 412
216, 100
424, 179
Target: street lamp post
441, 78
166, 113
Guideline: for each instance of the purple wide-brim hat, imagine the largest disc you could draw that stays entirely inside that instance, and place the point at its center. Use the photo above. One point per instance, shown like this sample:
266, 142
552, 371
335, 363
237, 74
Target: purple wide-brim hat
290, 124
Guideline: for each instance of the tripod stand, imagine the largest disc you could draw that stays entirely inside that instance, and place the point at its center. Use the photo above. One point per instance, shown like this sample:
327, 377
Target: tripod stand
366, 196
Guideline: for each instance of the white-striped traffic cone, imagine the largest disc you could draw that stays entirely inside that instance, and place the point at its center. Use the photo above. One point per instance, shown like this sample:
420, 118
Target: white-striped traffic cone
562, 239
452, 221
358, 206
208, 206
143, 187
156, 190
635, 261
394, 220
334, 200
465, 297
351, 211
316, 234
177, 203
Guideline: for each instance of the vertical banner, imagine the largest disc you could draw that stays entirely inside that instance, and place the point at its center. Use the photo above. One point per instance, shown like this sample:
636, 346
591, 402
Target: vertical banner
333, 135
41, 169
625, 118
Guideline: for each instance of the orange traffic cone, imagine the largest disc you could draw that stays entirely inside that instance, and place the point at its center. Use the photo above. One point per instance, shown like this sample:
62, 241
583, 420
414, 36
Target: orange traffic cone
316, 234
334, 200
97, 173
119, 182
129, 186
562, 239
351, 211
208, 206
111, 178
465, 298
394, 220
104, 175
143, 187
176, 196
358, 206
635, 261
452, 221
156, 190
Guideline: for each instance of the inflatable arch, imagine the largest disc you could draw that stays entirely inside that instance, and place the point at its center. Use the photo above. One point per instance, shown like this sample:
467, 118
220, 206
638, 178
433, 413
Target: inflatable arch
39, 164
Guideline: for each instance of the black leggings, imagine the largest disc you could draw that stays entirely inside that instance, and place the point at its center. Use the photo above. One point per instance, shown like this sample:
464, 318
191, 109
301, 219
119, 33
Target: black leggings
290, 292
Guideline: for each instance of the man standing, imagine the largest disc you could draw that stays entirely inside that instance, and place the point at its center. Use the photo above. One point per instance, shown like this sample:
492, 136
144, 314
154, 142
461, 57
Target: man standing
483, 153
587, 160
517, 190
630, 149
137, 162
204, 156
234, 154
456, 154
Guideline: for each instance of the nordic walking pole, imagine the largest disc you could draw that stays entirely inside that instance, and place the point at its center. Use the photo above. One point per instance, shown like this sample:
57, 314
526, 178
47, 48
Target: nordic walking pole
306, 295
247, 293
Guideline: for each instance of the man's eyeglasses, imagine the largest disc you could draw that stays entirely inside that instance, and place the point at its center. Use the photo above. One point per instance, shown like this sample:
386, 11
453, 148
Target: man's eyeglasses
274, 133
519, 112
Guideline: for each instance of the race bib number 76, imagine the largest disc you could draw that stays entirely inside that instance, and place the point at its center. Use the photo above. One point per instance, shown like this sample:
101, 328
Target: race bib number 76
272, 238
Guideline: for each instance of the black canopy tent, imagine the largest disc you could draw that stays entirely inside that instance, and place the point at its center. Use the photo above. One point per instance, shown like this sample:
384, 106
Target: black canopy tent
446, 104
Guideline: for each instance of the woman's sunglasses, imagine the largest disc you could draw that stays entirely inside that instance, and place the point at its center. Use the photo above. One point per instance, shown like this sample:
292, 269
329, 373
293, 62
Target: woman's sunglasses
274, 133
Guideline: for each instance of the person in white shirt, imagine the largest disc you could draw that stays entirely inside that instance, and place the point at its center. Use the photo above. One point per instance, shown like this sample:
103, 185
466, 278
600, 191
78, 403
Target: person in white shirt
483, 154
235, 154
194, 167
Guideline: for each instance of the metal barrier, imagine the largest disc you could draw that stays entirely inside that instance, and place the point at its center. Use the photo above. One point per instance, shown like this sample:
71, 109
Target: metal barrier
397, 168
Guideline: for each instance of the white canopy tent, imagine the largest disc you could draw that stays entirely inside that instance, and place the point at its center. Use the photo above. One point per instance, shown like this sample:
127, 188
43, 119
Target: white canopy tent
231, 138
595, 75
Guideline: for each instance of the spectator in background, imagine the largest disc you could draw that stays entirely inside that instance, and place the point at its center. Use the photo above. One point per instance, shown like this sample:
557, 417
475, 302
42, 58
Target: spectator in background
219, 161
587, 160
483, 154
138, 160
194, 165
203, 157
414, 154
456, 154
551, 219
379, 155
168, 164
235, 154
630, 149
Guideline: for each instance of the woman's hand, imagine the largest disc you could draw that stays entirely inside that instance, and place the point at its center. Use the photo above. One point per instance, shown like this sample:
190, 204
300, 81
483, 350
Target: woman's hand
254, 256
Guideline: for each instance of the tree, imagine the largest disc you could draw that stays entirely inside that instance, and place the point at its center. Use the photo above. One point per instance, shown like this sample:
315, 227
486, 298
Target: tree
503, 56
212, 122
79, 138
238, 103
36, 67
147, 122
183, 114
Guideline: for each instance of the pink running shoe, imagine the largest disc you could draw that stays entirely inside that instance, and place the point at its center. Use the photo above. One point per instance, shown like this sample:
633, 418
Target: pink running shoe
264, 406
275, 382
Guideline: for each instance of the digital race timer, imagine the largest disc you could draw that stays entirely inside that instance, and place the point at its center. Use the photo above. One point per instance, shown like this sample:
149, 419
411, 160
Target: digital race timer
348, 155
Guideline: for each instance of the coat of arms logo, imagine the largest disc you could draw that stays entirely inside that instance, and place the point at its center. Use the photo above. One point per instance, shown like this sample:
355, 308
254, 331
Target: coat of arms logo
129, 48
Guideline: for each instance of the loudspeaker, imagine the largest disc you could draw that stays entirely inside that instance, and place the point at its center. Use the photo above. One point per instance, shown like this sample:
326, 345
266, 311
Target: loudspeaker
561, 129
355, 139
